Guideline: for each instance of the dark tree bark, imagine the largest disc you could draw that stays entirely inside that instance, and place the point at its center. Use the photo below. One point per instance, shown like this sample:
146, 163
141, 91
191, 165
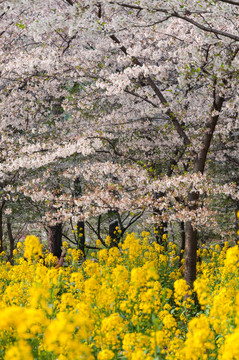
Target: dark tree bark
55, 239
11, 240
1, 225
237, 221
54, 235
182, 246
1, 229
113, 233
162, 230
81, 236
191, 253
80, 224
199, 166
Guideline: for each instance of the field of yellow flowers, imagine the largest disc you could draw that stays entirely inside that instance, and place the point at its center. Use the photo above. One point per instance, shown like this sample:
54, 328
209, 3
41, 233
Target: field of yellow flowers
131, 304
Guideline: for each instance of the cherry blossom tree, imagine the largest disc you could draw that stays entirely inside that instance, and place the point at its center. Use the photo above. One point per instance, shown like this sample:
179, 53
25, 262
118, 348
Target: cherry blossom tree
148, 91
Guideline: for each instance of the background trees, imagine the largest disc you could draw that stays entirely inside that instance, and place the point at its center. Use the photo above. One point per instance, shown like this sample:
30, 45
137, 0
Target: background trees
130, 98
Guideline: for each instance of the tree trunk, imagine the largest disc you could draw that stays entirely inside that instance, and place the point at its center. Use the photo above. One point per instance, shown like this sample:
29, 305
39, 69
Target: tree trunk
191, 237
81, 236
182, 246
199, 166
113, 233
162, 231
237, 221
80, 224
190, 254
11, 240
161, 228
55, 239
1, 229
1, 225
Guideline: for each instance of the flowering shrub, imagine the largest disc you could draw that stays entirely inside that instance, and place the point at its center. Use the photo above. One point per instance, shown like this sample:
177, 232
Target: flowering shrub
131, 304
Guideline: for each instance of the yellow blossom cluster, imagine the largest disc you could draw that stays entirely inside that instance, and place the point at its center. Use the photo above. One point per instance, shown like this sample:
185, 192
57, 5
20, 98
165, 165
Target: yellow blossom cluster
133, 303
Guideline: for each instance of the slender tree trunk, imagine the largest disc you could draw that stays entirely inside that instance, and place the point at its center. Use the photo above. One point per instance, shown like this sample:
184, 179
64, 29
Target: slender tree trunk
161, 228
1, 224
11, 240
163, 233
182, 246
55, 239
1, 229
80, 224
113, 233
237, 221
81, 236
191, 253
54, 235
191, 240
199, 166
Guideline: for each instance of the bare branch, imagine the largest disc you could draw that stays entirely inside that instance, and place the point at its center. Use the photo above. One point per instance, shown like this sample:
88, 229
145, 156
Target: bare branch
136, 7
230, 2
69, 42
96, 232
133, 220
186, 18
116, 152
231, 158
141, 97
205, 28
70, 2
73, 242
72, 228
159, 94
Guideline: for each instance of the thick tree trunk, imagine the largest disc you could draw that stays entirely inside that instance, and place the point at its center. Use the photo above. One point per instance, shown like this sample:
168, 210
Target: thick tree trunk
11, 240
55, 239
